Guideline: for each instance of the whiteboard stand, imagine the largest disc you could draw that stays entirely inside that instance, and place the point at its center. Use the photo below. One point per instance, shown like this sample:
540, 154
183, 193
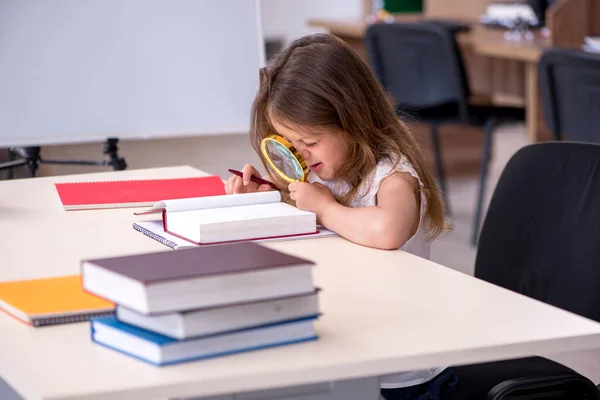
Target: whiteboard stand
32, 158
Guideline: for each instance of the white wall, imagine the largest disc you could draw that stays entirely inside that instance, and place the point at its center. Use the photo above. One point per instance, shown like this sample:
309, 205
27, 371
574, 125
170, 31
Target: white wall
287, 18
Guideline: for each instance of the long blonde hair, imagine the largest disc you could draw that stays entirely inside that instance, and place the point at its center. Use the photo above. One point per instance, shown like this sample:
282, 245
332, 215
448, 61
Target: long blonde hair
319, 81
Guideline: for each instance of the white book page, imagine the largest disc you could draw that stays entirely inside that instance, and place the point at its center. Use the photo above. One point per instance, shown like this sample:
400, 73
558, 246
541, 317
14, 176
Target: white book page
240, 213
228, 200
244, 218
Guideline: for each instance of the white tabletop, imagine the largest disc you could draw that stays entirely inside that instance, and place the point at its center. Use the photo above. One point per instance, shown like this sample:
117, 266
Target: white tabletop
383, 311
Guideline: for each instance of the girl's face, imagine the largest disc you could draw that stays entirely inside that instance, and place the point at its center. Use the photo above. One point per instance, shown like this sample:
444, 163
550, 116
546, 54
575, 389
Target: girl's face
322, 150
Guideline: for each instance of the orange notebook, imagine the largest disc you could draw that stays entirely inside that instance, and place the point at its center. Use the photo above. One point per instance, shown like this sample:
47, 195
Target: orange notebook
51, 301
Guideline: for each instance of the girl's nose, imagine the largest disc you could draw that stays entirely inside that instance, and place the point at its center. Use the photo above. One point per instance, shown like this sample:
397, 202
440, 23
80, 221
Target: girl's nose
304, 153
301, 148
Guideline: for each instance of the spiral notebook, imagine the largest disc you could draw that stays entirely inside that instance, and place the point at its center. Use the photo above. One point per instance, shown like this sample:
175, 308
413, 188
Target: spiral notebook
135, 193
51, 301
155, 230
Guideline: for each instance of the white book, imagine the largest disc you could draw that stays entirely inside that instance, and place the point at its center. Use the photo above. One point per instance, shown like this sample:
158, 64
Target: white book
212, 320
200, 277
155, 230
218, 219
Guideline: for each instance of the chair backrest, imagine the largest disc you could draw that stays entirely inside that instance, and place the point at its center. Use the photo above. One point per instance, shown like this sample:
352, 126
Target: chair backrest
540, 235
418, 63
570, 84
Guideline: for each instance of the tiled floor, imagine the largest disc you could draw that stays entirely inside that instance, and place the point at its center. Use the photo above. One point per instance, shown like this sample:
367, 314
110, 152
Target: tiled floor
217, 154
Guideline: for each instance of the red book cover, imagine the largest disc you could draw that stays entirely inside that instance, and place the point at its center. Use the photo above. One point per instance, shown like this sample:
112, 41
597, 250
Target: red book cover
135, 193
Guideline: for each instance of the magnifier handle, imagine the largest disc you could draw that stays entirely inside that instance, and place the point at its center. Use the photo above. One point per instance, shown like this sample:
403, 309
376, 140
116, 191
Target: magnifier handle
254, 179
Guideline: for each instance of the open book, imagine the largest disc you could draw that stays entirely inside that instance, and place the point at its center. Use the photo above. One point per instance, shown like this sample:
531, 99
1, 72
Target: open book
155, 230
237, 217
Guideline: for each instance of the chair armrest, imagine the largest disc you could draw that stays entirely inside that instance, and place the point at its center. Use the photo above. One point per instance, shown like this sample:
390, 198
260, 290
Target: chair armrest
571, 385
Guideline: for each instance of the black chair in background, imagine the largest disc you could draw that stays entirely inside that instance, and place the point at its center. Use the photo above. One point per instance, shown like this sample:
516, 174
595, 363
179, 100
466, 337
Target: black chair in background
570, 85
540, 239
421, 67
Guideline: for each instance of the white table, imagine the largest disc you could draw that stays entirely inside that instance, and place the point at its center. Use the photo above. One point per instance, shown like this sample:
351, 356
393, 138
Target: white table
384, 312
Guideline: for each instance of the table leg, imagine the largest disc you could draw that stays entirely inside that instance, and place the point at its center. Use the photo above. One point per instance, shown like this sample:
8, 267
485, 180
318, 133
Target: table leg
531, 116
536, 127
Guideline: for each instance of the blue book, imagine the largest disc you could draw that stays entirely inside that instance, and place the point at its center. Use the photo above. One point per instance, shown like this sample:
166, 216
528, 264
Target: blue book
161, 350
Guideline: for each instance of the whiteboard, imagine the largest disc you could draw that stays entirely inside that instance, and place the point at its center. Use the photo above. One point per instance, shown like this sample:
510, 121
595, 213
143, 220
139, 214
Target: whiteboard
74, 71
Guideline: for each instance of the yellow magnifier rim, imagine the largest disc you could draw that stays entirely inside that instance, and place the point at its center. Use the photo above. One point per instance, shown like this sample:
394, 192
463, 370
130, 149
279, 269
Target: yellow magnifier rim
292, 150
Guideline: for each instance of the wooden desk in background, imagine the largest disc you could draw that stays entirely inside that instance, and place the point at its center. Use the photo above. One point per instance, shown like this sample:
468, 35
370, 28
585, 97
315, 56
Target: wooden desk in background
500, 72
487, 42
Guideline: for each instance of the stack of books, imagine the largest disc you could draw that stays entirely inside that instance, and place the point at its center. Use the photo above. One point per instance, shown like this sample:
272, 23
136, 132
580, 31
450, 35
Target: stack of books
202, 302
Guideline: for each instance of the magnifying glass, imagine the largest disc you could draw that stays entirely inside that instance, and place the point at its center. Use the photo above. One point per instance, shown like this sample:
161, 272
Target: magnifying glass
284, 159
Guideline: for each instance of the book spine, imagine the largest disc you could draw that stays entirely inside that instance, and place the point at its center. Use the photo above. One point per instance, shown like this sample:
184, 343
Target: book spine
154, 236
70, 319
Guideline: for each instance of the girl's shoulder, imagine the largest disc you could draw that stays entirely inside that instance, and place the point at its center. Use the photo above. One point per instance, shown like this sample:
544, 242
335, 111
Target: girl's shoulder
390, 165
367, 194
385, 168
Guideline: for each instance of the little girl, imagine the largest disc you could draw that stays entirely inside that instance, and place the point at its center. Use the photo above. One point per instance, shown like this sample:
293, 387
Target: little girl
368, 181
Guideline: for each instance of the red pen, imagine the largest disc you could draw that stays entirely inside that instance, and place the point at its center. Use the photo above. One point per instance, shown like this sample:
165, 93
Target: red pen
254, 179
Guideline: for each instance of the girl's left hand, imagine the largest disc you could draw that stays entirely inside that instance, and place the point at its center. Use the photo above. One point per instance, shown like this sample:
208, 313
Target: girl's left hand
312, 197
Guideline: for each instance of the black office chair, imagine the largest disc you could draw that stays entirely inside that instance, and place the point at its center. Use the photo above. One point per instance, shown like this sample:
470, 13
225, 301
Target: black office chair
421, 67
570, 85
540, 239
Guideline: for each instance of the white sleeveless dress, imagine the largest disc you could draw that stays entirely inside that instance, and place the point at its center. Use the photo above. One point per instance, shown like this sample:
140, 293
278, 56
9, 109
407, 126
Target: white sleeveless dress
417, 245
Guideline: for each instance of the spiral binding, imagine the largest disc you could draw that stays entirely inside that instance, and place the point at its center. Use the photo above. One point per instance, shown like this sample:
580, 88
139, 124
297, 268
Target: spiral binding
70, 318
154, 236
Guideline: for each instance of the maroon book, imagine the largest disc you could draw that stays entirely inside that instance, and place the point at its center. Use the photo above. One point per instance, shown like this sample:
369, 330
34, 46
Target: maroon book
197, 277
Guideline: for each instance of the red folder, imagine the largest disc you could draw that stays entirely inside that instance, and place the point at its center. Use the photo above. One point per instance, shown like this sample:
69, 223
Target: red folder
135, 193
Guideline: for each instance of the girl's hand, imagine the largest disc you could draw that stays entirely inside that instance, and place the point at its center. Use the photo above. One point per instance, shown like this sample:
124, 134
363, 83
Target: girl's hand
313, 197
236, 185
